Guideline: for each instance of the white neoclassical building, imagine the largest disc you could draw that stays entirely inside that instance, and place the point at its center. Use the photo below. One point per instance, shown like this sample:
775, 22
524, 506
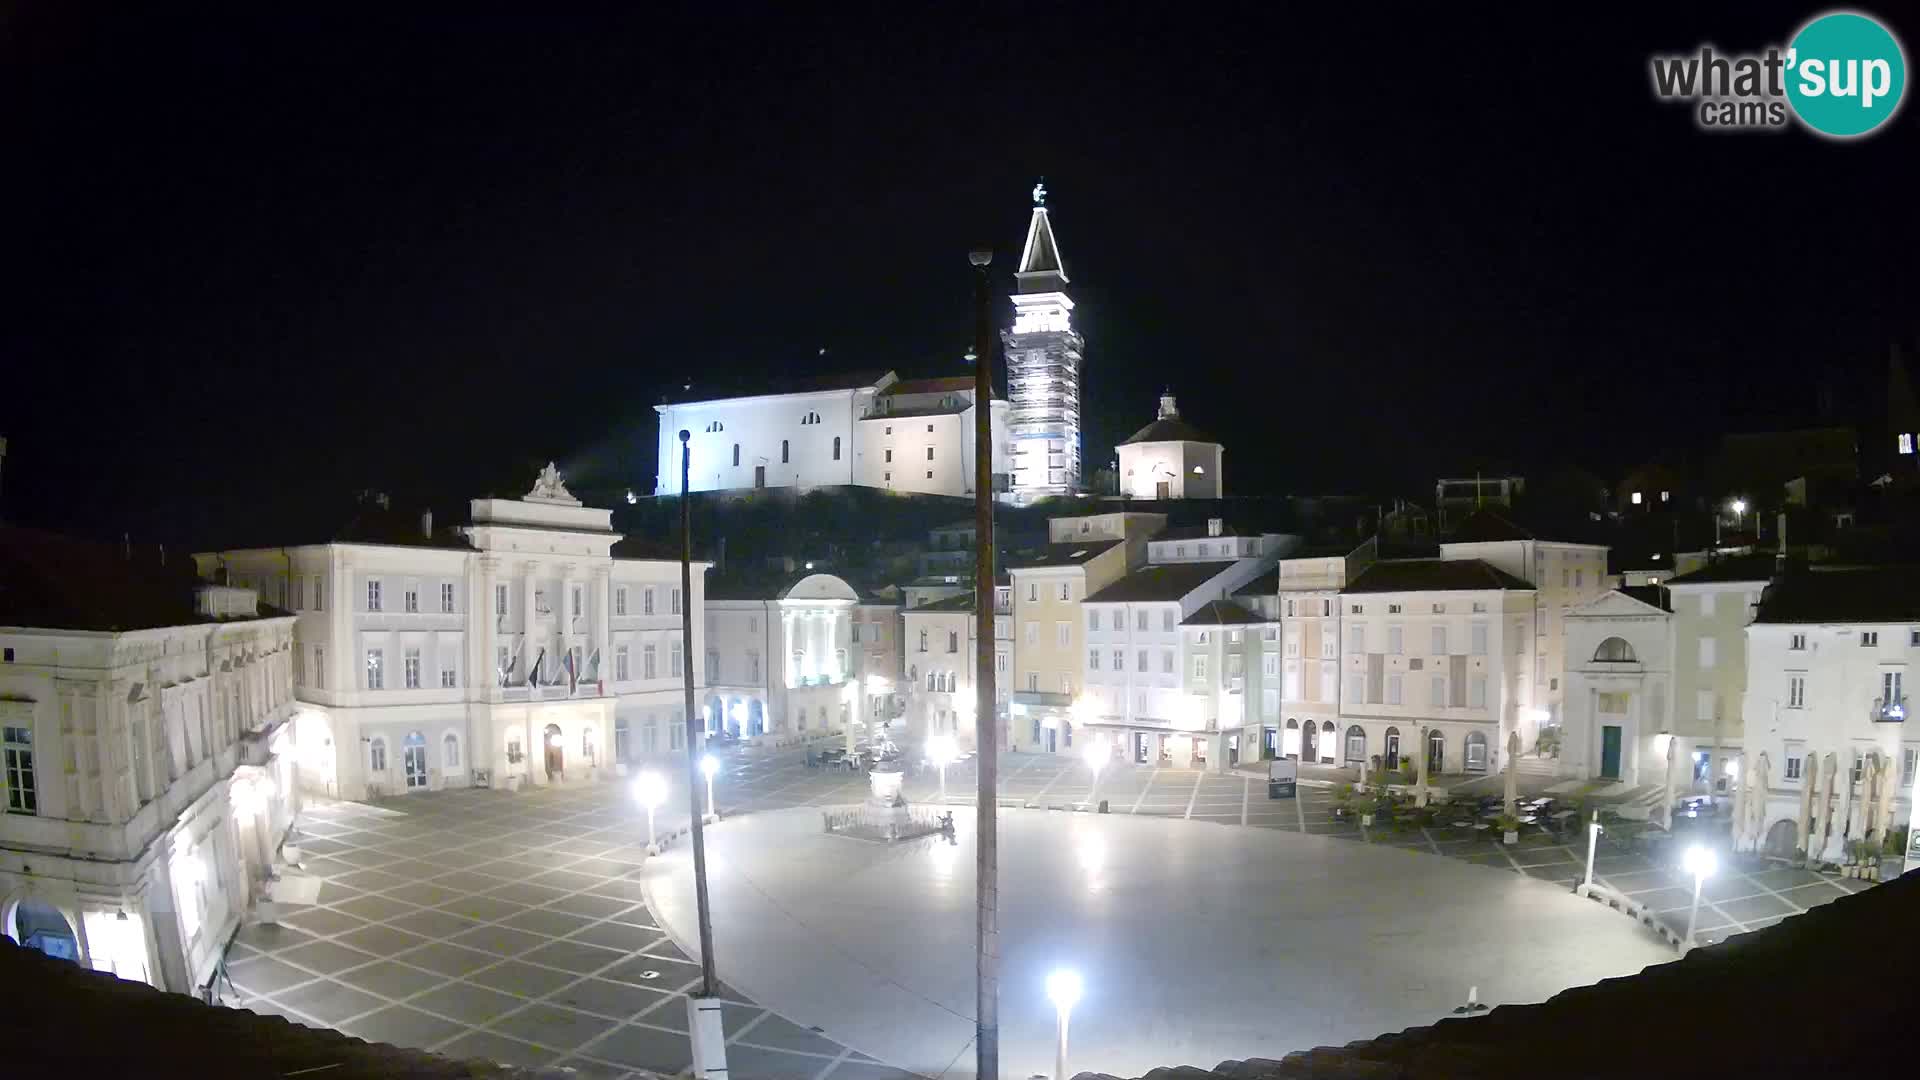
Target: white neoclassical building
1620, 696
148, 740
520, 648
1170, 459
1829, 752
782, 661
874, 430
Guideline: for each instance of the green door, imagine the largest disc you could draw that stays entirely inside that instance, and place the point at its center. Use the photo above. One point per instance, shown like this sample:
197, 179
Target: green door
1610, 752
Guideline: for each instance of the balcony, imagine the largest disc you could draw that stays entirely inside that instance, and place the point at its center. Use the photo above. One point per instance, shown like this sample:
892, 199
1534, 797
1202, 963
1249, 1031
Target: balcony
1042, 698
1889, 710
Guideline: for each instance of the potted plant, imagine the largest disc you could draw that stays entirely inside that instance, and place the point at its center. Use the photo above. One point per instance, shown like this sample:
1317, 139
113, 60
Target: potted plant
1343, 802
1509, 827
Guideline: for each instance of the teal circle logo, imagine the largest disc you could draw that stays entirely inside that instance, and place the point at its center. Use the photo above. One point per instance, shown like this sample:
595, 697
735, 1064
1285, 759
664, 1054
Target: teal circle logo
1845, 74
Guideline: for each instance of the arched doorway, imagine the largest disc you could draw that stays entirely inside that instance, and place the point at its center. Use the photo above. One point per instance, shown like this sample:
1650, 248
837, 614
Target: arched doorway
715, 713
1476, 751
1309, 742
556, 752
1436, 752
756, 717
413, 756
1290, 742
1393, 749
39, 925
1356, 745
1329, 743
1782, 838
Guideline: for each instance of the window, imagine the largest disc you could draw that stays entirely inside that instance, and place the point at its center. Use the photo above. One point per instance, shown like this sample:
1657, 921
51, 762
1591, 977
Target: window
1093, 659
1326, 609
1140, 661
1477, 692
1064, 590
377, 755
1708, 651
1200, 667
1393, 609
1479, 607
319, 667
373, 594
298, 596
753, 665
649, 662
1439, 609
1566, 577
1033, 633
1795, 760
713, 665
1539, 669
1614, 651
923, 641
1293, 645
736, 455
1890, 688
1706, 605
1290, 686
1869, 639
1439, 641
1479, 631
1033, 591
836, 448
1179, 551
620, 600
411, 660
674, 599
446, 598
929, 450
1356, 639
1394, 640
1289, 609
1437, 692
1063, 634
23, 793
674, 659
449, 672
1796, 691
1033, 687
1908, 756
1396, 692
1166, 661
785, 456
623, 664
1166, 620
1000, 663
1356, 689
1093, 619
500, 600
1703, 705
953, 641
376, 677
889, 455
411, 599
319, 593
1578, 578
646, 601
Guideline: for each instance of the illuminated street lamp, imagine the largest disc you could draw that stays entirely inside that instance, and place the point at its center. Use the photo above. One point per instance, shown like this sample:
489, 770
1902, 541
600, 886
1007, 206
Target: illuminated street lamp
1739, 508
1593, 841
650, 790
941, 751
1063, 989
1699, 862
1097, 752
710, 765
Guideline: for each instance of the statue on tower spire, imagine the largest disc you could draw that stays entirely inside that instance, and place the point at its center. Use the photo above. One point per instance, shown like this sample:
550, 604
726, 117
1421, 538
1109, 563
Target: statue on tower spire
1040, 192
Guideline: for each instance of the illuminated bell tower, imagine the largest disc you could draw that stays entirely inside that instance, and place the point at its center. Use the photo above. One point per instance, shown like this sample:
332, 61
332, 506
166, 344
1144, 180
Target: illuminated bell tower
1043, 357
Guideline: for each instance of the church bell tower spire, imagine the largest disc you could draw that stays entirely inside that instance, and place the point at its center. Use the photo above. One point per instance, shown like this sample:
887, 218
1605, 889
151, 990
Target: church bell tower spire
1043, 367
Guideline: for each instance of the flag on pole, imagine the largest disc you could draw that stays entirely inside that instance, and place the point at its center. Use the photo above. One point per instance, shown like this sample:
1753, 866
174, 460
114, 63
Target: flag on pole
533, 670
592, 668
573, 672
513, 658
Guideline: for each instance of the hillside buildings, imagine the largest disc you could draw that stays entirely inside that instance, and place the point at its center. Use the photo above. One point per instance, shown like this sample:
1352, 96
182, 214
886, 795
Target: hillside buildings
147, 726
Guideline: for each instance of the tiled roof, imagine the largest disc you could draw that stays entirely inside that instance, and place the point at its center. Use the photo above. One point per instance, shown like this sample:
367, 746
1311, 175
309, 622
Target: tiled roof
54, 582
1222, 613
955, 385
1432, 575
1738, 568
1169, 429
1267, 584
1060, 554
696, 390
1486, 527
1650, 595
1168, 581
960, 602
1878, 594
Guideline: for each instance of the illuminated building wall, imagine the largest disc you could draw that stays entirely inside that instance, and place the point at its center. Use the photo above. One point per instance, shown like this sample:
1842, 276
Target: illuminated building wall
1043, 358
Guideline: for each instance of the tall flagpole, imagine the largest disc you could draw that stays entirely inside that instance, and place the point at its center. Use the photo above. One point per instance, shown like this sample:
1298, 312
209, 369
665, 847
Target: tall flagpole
986, 1034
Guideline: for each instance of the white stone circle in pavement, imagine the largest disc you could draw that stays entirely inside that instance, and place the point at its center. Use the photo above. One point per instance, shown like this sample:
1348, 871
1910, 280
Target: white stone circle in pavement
1197, 942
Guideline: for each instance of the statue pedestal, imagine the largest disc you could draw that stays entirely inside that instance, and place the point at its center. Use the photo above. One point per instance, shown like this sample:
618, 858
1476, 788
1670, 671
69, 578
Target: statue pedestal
886, 808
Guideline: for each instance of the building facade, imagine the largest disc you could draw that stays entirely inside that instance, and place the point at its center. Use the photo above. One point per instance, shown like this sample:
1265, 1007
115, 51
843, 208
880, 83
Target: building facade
872, 430
149, 752
941, 640
516, 650
1712, 606
785, 664
1620, 678
1170, 459
1305, 598
1044, 355
1829, 755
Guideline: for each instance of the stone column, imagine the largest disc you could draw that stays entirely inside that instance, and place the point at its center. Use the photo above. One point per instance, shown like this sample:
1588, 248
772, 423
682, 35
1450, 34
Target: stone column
601, 607
483, 624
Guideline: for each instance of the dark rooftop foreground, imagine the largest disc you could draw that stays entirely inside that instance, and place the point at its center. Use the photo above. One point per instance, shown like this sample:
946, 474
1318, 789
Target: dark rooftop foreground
1826, 993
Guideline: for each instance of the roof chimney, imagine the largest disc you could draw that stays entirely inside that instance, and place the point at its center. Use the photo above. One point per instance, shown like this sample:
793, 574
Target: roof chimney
1167, 410
426, 524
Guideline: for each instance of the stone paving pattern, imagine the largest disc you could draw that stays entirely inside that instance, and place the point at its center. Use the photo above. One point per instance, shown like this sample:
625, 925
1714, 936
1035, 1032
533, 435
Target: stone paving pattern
512, 927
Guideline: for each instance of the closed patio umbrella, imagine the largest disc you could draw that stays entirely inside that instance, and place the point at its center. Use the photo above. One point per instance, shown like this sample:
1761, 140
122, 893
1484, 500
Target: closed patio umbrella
1847, 809
1420, 770
1666, 800
1513, 778
1890, 784
1757, 800
1822, 800
1737, 827
1809, 781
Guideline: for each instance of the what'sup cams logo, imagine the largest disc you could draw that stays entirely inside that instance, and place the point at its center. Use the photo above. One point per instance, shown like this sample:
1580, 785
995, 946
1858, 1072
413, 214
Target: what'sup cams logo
1843, 76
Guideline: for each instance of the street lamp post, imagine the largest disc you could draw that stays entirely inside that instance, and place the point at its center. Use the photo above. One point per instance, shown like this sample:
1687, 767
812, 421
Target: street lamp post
1063, 989
705, 1033
986, 1024
940, 751
1097, 752
650, 790
1700, 863
709, 765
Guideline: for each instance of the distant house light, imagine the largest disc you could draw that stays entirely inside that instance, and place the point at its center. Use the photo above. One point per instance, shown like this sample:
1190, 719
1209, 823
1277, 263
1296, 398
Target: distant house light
1906, 442
1663, 496
1198, 470
1636, 498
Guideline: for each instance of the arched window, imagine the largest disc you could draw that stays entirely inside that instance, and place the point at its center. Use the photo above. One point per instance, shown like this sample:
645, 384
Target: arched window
1391, 759
1614, 651
784, 455
1477, 750
1327, 744
450, 748
377, 755
923, 641
1356, 744
736, 455
836, 448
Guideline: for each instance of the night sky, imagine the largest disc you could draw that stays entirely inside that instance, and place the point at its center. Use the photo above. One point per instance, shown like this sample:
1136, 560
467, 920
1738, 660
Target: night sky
254, 265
